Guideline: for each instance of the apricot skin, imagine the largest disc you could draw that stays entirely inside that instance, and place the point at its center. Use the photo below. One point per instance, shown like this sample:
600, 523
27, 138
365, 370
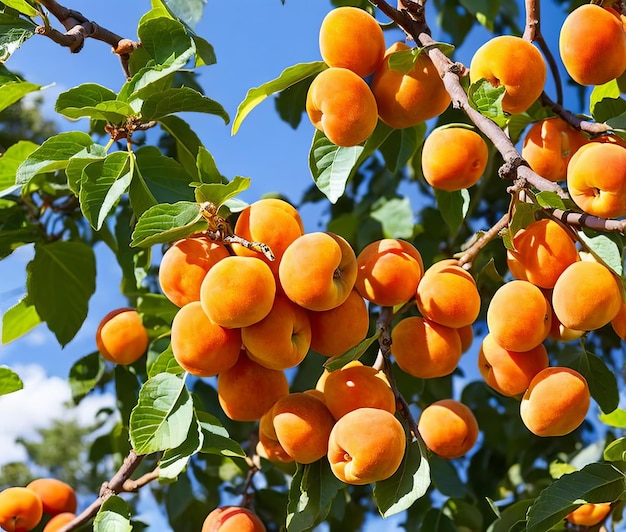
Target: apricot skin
338, 46
515, 63
456, 168
448, 428
56, 496
589, 514
121, 337
21, 509
232, 519
365, 446
59, 521
406, 100
341, 105
556, 402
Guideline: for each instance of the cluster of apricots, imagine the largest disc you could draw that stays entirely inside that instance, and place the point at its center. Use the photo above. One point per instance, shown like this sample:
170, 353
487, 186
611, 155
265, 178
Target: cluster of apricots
46, 500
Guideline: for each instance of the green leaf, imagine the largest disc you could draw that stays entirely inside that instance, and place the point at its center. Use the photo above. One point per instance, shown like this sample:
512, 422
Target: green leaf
511, 516
523, 216
10, 161
220, 193
187, 142
288, 77
113, 516
616, 418
104, 181
61, 280
436, 521
291, 102
93, 101
609, 90
53, 154
594, 483
13, 32
605, 249
608, 108
22, 6
76, 165
187, 11
395, 217
216, 439
163, 415
205, 54
9, 381
335, 363
18, 320
453, 207
484, 11
551, 200
165, 363
85, 374
400, 146
410, 482
487, 100
13, 91
165, 223
616, 451
207, 169
179, 100
174, 461
313, 488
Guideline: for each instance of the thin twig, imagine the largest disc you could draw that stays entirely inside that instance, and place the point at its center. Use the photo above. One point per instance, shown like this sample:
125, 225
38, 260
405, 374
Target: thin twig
593, 128
470, 254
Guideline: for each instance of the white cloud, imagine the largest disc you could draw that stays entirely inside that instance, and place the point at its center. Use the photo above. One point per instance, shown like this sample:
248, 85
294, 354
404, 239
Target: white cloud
42, 400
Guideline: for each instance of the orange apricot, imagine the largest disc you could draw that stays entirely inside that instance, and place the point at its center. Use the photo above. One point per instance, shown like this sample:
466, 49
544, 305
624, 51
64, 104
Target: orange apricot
340, 48
282, 339
21, 509
238, 291
365, 446
560, 332
542, 252
121, 336
302, 424
449, 428
59, 521
357, 386
184, 265
592, 44
248, 390
466, 334
596, 179
514, 63
510, 372
318, 270
519, 316
453, 158
549, 145
586, 296
589, 514
425, 349
447, 294
204, 355
56, 496
408, 99
341, 105
270, 221
269, 447
556, 402
232, 519
389, 271
618, 323
335, 331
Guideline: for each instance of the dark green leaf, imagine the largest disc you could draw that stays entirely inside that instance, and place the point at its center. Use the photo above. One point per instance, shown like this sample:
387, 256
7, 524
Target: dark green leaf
436, 521
511, 516
355, 353
205, 54
453, 207
484, 11
608, 108
77, 163
609, 90
601, 380
18, 320
487, 100
61, 280
445, 478
187, 142
401, 145
165, 223
9, 381
85, 373
179, 100
291, 102
288, 77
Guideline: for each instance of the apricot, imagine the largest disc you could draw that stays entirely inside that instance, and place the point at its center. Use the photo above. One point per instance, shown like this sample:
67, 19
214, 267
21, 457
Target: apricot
232, 519
542, 252
448, 427
201, 347
302, 424
388, 272
425, 349
269, 447
238, 291
121, 336
318, 271
56, 496
453, 158
549, 146
560, 332
21, 509
510, 372
59, 521
596, 179
270, 221
514, 63
556, 402
365, 446
519, 316
341, 105
184, 265
589, 514
335, 331
282, 339
357, 386
618, 323
247, 390
408, 99
586, 296
592, 44
351, 38
466, 334
447, 295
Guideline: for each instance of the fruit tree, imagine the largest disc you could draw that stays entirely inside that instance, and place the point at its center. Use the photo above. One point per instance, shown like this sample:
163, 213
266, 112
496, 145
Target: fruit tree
442, 351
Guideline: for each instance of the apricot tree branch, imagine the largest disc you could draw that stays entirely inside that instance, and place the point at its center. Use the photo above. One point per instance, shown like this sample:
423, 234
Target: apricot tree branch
469, 255
593, 128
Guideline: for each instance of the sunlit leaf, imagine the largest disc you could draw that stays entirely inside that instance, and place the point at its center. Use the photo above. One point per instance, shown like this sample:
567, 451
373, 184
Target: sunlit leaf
487, 100
165, 223
219, 193
18, 320
94, 101
187, 11
616, 418
616, 451
113, 516
174, 461
10, 161
179, 100
605, 249
9, 381
15, 30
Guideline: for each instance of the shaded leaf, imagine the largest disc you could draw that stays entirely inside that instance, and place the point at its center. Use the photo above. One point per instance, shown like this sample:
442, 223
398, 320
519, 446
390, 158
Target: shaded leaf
395, 217
13, 88
14, 31
453, 206
511, 516
216, 439
335, 363
85, 373
187, 142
